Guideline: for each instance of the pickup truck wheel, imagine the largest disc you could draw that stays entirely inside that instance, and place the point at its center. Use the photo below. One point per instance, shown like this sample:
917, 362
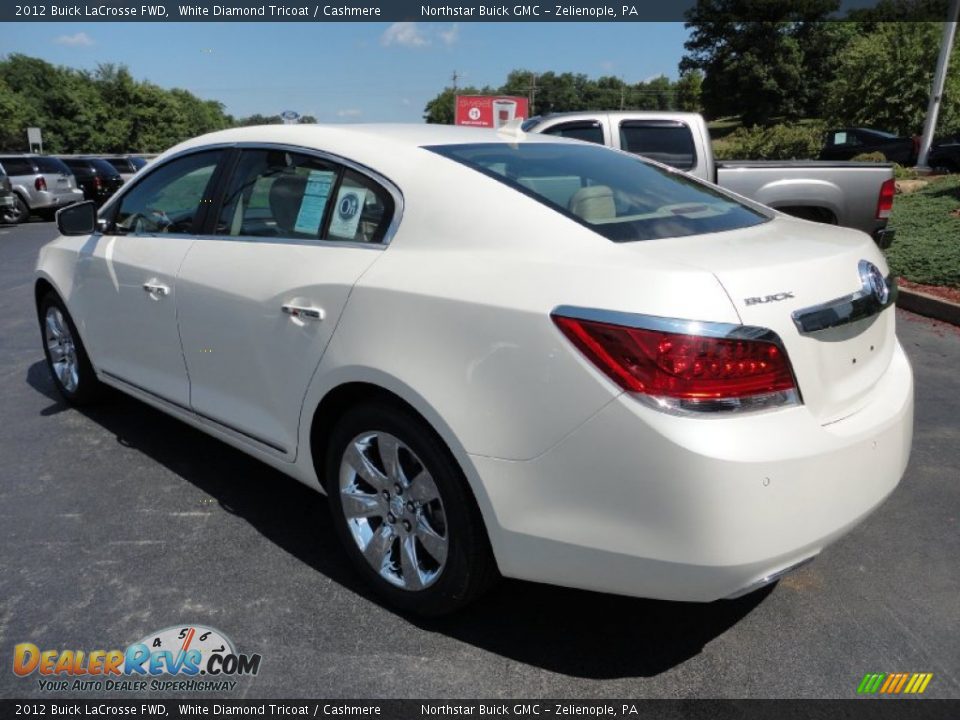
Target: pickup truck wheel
403, 511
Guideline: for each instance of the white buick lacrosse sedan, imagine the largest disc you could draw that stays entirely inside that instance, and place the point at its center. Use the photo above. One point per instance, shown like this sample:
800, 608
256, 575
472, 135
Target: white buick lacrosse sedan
498, 354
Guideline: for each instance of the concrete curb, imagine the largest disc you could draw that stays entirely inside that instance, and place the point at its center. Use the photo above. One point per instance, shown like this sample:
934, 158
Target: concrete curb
929, 306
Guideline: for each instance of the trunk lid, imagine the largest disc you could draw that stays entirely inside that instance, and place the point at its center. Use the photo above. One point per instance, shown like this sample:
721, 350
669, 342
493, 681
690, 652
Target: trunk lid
776, 269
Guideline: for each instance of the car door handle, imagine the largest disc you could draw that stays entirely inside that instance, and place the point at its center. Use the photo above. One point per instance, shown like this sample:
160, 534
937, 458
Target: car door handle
303, 313
156, 289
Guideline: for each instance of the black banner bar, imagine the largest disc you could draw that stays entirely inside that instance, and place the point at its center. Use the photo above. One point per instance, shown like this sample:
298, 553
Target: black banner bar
326, 11
855, 709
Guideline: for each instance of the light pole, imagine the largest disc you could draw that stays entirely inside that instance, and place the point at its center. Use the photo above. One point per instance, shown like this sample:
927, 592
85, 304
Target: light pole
939, 78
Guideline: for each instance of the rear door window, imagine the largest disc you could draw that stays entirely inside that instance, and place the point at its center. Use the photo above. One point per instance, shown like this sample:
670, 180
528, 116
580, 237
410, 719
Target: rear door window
294, 196
666, 141
586, 130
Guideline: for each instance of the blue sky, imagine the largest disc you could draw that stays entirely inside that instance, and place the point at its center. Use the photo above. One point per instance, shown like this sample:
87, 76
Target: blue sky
366, 72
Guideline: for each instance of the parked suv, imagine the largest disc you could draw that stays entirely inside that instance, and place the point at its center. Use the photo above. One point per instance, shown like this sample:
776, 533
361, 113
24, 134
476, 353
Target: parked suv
97, 178
126, 165
7, 202
41, 185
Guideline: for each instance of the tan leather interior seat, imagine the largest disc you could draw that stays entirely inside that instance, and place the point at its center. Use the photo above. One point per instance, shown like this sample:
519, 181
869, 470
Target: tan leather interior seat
593, 204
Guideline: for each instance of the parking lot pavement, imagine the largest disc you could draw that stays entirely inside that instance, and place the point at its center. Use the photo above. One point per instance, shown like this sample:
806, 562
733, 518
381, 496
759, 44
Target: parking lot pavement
119, 521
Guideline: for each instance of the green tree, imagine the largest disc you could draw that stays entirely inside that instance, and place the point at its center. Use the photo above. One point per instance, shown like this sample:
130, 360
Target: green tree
763, 68
14, 118
660, 92
689, 89
884, 78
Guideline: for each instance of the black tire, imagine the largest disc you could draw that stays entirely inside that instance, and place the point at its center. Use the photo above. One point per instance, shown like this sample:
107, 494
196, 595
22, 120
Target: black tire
469, 568
47, 214
20, 212
87, 388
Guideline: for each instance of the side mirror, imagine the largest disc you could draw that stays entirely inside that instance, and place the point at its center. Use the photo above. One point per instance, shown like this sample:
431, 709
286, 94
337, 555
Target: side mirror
79, 219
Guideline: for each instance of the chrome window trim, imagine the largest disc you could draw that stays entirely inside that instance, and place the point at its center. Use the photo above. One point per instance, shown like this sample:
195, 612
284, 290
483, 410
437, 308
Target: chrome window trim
724, 331
847, 309
383, 181
270, 240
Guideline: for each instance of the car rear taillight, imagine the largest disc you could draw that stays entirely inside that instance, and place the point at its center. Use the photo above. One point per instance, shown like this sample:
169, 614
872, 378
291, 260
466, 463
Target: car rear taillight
885, 201
40, 183
686, 372
97, 184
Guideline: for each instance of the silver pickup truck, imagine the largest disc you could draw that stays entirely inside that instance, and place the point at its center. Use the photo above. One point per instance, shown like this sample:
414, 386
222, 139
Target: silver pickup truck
852, 194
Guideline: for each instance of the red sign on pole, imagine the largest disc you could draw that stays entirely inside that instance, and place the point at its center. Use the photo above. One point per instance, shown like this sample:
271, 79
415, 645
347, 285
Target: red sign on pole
492, 111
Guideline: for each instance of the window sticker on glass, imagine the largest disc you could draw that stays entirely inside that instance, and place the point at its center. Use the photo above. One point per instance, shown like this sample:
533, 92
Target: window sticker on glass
315, 196
346, 215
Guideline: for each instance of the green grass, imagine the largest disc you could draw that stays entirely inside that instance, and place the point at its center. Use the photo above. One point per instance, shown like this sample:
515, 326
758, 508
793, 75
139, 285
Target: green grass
927, 247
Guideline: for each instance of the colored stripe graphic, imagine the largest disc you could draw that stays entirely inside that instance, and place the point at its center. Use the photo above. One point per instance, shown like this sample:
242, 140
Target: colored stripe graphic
903, 679
871, 683
894, 683
890, 683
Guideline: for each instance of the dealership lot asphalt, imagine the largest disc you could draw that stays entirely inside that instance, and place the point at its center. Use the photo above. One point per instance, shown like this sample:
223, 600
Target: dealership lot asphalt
119, 521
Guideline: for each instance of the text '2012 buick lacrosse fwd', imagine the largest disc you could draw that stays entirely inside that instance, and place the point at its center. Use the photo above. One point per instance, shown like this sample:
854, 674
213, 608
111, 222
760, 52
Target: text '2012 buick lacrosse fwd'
498, 354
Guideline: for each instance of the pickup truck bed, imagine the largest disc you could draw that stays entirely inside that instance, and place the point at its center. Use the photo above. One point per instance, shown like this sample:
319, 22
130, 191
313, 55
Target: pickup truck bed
820, 190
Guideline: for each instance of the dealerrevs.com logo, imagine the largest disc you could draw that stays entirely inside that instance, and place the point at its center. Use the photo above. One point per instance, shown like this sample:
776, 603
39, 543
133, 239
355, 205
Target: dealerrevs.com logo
175, 659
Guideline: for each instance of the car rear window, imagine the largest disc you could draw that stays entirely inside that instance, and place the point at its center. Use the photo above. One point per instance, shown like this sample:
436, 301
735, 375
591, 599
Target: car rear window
137, 163
621, 197
51, 165
103, 167
120, 165
80, 168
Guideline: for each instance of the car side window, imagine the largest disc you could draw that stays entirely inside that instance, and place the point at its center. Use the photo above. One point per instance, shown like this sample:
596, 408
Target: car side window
168, 199
362, 212
586, 130
17, 166
287, 195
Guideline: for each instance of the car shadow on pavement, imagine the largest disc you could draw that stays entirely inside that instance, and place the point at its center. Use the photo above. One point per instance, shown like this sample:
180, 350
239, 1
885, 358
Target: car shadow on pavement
572, 632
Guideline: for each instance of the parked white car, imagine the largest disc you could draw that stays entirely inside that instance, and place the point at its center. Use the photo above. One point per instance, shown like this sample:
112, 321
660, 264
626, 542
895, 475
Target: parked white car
498, 352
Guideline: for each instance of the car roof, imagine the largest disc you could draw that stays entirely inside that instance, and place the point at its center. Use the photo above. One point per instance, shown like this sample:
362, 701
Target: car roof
618, 115
399, 134
380, 146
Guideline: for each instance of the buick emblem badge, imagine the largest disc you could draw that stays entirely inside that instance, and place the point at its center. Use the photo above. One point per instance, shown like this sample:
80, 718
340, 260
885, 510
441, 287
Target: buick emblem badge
873, 281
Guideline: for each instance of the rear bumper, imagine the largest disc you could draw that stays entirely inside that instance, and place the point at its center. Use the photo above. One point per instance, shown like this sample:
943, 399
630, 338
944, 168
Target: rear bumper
46, 200
6, 201
641, 503
884, 237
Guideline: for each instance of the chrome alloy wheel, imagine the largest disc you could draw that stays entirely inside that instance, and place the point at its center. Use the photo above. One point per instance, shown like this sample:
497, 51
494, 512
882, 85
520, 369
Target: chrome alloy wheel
393, 510
63, 351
